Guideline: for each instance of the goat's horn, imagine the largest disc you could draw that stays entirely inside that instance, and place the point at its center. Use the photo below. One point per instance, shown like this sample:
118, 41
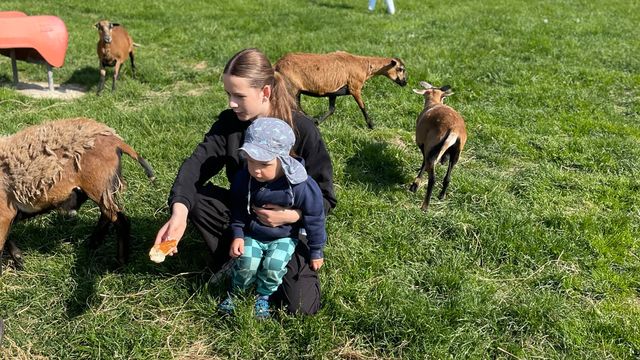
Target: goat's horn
425, 85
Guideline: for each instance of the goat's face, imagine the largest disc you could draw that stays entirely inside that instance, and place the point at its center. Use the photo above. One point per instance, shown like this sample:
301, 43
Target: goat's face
396, 72
104, 28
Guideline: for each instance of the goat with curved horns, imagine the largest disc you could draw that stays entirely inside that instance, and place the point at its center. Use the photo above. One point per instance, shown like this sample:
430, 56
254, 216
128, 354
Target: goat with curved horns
440, 133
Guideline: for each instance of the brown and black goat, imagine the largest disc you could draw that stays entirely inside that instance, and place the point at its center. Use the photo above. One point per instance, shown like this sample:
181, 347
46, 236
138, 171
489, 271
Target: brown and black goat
114, 46
440, 133
336, 74
58, 165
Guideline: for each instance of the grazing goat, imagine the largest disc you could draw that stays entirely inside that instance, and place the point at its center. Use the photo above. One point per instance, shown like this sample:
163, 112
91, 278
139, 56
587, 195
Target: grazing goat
336, 74
113, 47
440, 133
58, 165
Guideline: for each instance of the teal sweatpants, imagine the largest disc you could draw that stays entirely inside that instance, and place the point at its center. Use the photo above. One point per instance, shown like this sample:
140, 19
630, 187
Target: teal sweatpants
264, 263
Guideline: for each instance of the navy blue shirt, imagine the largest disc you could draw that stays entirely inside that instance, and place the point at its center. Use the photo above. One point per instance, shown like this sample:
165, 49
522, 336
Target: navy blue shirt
305, 196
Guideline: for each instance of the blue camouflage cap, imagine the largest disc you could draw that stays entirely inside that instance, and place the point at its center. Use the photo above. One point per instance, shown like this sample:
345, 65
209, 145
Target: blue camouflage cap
269, 138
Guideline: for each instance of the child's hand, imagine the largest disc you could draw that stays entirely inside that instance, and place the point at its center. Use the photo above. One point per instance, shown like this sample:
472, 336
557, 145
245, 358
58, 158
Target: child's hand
316, 264
237, 247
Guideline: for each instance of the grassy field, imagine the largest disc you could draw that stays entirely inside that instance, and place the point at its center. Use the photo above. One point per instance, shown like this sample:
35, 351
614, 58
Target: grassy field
534, 254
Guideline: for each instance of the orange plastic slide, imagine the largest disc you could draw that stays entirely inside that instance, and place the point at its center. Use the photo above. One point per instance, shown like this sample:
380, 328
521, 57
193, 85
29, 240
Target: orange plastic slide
33, 38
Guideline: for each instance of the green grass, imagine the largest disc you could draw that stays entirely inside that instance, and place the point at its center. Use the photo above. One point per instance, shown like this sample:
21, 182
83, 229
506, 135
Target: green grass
534, 253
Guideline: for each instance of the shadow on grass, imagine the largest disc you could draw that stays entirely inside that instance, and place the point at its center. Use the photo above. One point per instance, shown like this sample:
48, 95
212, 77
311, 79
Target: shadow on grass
331, 5
90, 265
376, 164
5, 80
87, 76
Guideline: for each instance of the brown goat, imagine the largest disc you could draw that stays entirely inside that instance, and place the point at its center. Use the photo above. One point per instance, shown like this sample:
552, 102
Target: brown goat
58, 165
440, 132
336, 74
114, 46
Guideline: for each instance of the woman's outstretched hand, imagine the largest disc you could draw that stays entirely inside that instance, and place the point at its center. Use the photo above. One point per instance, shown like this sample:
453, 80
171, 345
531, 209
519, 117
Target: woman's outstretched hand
175, 227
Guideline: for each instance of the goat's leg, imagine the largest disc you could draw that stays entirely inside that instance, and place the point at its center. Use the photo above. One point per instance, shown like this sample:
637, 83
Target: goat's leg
99, 232
5, 224
358, 97
332, 108
15, 254
432, 181
298, 98
416, 183
123, 229
453, 159
116, 74
103, 74
133, 65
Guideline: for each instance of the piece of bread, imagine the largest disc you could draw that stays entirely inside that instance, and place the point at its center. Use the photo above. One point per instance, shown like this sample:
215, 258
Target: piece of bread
159, 252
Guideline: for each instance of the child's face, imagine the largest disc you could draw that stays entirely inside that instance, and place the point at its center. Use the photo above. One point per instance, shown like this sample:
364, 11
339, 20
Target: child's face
264, 171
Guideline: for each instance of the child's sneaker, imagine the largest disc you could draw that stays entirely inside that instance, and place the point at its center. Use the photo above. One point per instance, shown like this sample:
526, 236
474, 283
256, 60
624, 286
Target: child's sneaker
227, 307
262, 307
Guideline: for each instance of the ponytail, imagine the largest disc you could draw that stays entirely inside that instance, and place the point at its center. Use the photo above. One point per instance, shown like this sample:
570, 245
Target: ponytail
282, 103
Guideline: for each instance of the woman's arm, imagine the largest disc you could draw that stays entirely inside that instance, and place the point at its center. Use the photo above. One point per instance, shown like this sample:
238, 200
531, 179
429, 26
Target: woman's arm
206, 161
274, 215
311, 148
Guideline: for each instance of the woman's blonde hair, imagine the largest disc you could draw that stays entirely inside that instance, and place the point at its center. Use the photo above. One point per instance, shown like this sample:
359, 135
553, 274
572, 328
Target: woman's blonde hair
253, 65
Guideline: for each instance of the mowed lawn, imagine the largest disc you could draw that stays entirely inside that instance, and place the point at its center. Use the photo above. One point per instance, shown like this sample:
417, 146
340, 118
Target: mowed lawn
533, 254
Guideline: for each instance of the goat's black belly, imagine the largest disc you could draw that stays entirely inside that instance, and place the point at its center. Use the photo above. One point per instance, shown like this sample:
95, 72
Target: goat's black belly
109, 63
341, 92
73, 202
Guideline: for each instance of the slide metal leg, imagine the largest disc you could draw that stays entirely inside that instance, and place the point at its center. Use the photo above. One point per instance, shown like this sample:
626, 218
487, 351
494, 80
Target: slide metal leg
50, 77
14, 66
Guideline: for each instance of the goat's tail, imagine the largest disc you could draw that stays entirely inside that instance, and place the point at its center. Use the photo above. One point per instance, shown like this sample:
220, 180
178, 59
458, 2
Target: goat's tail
145, 165
449, 140
136, 45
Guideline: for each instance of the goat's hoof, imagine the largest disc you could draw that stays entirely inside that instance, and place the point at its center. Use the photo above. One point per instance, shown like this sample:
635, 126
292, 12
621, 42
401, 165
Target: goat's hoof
424, 207
413, 188
18, 264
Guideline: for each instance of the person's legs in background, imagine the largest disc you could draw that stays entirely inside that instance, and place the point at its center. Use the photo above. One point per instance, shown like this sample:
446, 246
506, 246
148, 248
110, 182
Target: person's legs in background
391, 9
372, 5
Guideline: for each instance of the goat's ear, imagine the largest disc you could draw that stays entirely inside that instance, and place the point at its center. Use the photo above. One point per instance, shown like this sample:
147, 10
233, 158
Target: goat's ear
114, 24
420, 91
97, 25
447, 92
426, 85
390, 65
445, 88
